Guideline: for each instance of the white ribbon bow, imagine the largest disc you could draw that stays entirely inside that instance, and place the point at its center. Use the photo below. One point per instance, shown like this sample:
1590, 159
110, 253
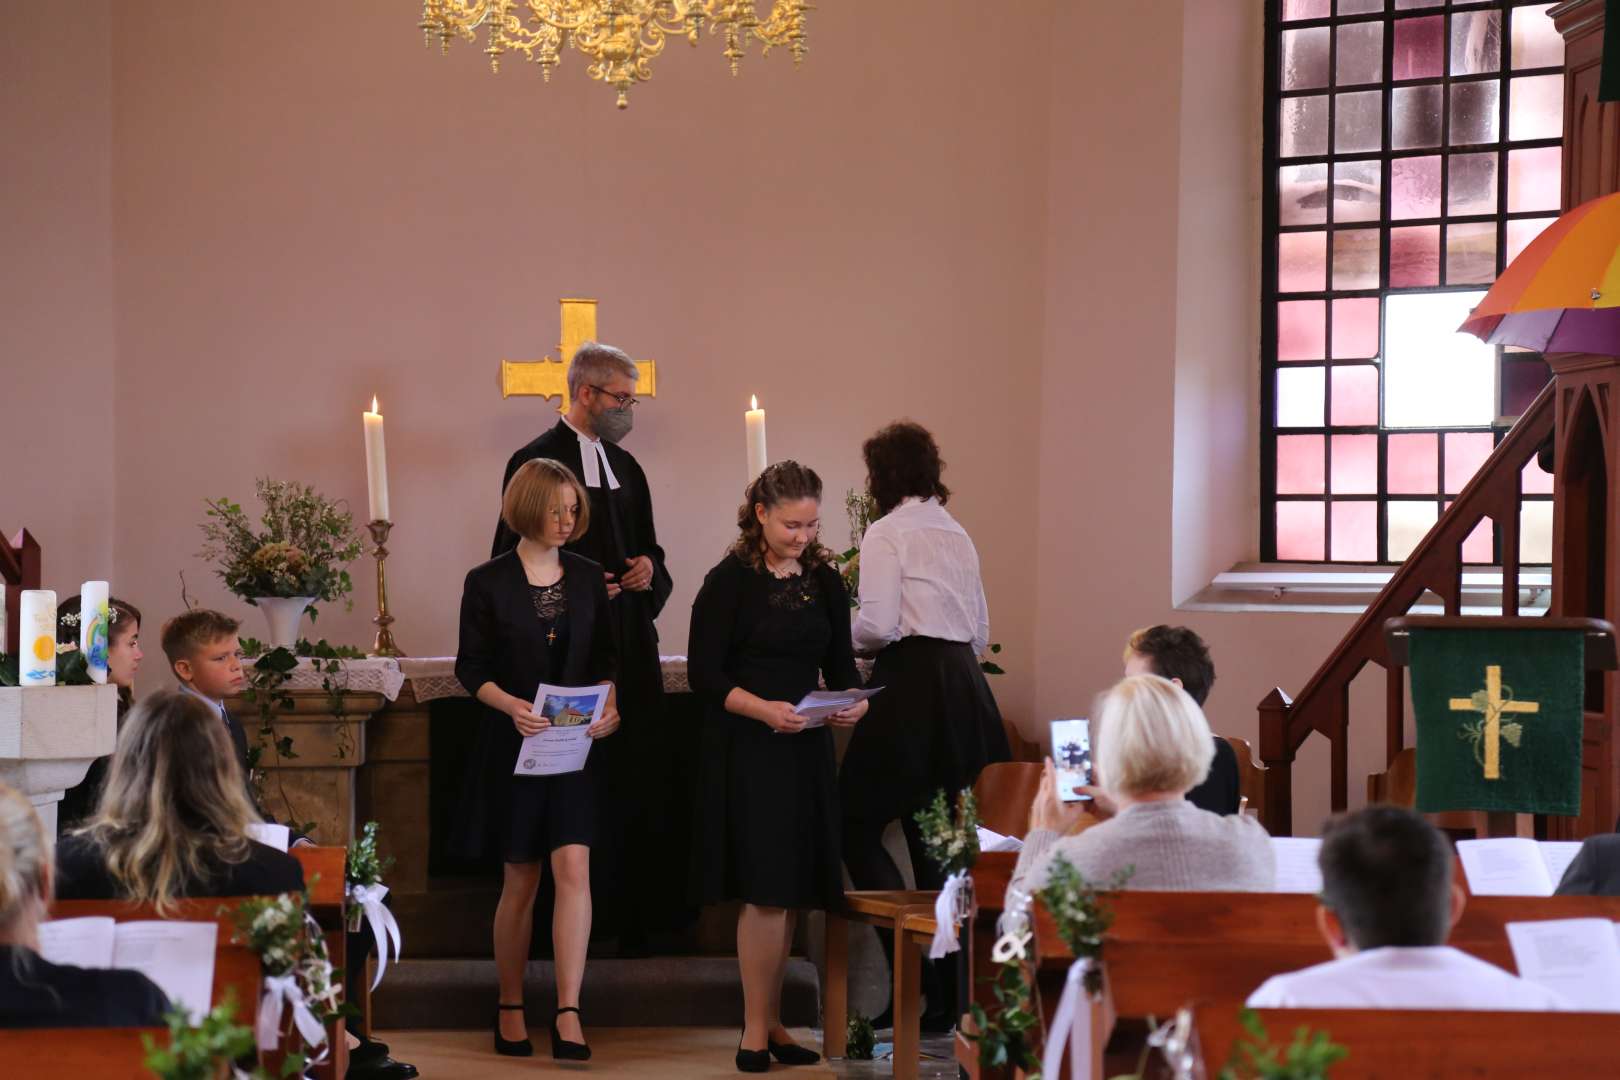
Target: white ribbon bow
1071, 1025
383, 925
946, 928
281, 989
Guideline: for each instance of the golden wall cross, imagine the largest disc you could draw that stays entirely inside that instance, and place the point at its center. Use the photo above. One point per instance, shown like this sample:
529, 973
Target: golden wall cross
549, 378
1490, 702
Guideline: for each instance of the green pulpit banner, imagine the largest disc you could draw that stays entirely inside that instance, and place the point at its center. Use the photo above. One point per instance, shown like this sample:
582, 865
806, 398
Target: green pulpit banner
1499, 719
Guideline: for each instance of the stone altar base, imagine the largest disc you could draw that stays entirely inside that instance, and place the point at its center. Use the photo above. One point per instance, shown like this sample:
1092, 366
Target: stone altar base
318, 785
49, 736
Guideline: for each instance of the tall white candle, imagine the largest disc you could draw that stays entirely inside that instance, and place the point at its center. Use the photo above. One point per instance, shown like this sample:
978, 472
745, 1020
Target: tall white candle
3, 626
755, 420
93, 628
376, 464
36, 638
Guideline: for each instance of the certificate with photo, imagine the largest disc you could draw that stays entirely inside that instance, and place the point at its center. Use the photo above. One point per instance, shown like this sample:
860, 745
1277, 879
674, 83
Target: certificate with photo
564, 746
1071, 752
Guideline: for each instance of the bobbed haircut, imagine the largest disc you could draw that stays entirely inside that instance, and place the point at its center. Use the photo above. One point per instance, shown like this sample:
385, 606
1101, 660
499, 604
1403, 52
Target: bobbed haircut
902, 461
594, 364
1151, 738
1176, 652
534, 491
1386, 875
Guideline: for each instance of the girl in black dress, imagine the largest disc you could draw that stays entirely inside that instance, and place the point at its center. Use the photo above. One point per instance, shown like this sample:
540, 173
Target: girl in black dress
536, 614
768, 619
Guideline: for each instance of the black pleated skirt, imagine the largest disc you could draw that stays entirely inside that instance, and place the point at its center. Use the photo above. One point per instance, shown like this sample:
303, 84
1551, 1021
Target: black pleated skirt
934, 726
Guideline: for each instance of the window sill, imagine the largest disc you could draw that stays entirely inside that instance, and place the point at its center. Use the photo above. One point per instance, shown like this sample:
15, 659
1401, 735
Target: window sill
1348, 589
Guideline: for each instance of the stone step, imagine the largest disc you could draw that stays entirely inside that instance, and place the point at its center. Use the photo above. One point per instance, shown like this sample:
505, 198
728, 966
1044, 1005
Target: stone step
659, 991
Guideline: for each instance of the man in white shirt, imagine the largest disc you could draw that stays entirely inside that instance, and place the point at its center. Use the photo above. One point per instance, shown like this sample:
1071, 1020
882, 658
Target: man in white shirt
1388, 903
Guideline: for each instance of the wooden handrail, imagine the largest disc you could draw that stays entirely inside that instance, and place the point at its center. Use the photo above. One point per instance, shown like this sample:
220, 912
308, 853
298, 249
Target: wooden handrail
1435, 565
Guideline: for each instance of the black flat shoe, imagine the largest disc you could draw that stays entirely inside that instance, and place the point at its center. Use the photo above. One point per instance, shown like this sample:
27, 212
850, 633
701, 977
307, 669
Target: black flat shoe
510, 1047
368, 1049
561, 1048
753, 1060
792, 1053
380, 1068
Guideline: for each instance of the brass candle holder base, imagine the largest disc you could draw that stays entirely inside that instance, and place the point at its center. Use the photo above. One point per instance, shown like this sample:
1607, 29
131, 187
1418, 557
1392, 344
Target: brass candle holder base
384, 645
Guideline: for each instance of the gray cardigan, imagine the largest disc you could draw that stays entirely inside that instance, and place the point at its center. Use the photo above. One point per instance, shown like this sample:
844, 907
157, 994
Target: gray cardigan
1172, 846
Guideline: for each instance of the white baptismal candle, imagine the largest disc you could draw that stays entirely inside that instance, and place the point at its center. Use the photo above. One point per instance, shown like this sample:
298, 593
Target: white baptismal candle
755, 420
3, 623
36, 638
93, 628
376, 464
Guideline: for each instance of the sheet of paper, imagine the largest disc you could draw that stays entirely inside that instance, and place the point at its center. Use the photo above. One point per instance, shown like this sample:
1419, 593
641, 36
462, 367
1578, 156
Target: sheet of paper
178, 956
86, 943
817, 705
1557, 855
990, 840
1504, 866
276, 836
564, 746
1297, 868
1576, 958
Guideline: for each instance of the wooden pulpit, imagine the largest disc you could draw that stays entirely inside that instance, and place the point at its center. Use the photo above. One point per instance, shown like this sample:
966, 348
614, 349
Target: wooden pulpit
19, 570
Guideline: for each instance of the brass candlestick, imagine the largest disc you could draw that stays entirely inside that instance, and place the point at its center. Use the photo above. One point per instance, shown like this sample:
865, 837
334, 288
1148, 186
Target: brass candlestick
384, 645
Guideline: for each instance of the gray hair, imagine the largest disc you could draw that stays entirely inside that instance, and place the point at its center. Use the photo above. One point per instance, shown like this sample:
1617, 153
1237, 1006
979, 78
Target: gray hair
597, 363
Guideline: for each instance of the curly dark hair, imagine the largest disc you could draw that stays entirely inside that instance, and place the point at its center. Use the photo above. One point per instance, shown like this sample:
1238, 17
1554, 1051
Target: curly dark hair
1176, 652
902, 460
779, 483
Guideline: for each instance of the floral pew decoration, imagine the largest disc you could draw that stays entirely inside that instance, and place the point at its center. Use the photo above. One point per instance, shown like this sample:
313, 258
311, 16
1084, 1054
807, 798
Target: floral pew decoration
953, 844
365, 892
202, 1052
298, 976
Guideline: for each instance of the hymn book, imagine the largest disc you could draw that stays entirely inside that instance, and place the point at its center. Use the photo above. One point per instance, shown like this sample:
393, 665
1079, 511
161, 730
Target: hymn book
178, 956
1578, 959
1515, 866
270, 835
1297, 869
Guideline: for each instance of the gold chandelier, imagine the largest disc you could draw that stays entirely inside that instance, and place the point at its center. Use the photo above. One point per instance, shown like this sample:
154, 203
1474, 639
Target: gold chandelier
620, 37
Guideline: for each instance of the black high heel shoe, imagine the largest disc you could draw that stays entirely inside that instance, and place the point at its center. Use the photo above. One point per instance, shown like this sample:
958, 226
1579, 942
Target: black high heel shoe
752, 1061
510, 1047
791, 1053
561, 1048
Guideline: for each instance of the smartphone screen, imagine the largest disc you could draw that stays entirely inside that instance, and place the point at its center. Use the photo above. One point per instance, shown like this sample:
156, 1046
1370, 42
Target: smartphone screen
1071, 751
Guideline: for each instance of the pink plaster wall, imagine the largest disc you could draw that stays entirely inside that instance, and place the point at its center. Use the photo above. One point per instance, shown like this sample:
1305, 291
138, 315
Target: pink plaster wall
57, 380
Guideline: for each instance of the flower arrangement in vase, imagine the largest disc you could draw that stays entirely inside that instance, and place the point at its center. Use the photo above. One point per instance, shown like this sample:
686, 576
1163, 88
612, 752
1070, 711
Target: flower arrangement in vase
298, 555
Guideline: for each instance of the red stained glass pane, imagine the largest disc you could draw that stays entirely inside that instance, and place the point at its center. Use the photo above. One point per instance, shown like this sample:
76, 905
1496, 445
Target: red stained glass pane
1355, 328
1302, 262
1419, 48
1534, 481
1355, 258
1466, 451
1355, 532
1471, 184
1414, 187
1355, 465
1414, 463
1536, 107
1301, 329
1534, 180
1521, 231
1300, 466
1301, 528
1355, 396
1414, 256
1471, 253
1416, 116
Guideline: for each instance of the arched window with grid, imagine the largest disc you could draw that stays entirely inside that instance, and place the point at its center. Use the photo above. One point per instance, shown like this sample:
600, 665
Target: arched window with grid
1412, 149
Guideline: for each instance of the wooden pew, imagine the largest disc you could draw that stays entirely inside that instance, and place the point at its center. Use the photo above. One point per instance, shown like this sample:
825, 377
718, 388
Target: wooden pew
1432, 1045
990, 876
886, 910
324, 871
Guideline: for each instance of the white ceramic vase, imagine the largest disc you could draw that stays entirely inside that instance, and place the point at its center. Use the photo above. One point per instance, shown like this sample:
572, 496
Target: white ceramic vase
283, 613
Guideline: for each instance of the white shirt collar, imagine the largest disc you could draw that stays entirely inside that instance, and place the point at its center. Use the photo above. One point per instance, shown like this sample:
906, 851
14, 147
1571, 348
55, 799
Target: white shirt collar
593, 460
217, 706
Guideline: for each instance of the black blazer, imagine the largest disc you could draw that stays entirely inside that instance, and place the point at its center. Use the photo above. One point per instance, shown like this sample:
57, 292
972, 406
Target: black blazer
502, 641
1595, 870
1222, 790
81, 873
35, 993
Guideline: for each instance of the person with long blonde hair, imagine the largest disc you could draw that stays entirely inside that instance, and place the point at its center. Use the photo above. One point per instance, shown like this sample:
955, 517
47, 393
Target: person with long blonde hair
173, 817
35, 993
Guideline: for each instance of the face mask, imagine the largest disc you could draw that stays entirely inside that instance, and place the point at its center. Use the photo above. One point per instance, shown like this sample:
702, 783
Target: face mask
614, 424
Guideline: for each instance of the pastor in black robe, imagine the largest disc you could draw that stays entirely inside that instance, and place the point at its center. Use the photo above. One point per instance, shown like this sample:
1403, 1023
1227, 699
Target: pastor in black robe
632, 845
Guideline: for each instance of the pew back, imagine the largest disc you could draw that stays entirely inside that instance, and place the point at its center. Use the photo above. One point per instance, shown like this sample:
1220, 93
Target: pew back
77, 1053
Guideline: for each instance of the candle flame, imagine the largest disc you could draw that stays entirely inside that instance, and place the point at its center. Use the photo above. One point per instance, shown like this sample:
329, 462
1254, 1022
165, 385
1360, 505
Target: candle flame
374, 403
753, 401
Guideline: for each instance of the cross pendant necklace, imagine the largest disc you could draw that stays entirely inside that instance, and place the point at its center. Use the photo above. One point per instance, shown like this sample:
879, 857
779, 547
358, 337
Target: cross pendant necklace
551, 636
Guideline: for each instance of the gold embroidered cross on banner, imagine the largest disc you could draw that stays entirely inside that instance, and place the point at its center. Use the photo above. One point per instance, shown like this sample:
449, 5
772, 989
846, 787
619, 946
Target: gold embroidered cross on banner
1491, 731
549, 377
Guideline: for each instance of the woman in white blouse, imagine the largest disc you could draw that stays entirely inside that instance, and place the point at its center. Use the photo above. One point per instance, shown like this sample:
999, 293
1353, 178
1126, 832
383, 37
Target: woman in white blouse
923, 613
